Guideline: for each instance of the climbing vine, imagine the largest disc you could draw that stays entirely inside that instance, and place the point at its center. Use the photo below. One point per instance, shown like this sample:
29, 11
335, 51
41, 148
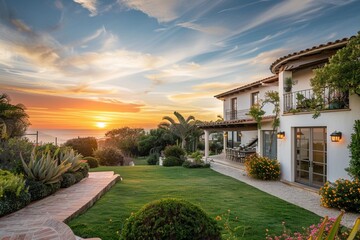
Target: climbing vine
257, 112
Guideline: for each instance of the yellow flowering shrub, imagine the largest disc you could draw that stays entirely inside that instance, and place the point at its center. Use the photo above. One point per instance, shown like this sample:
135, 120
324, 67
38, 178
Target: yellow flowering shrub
343, 194
262, 167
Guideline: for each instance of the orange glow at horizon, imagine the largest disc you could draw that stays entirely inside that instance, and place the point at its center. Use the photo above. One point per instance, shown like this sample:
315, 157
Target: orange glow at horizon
101, 124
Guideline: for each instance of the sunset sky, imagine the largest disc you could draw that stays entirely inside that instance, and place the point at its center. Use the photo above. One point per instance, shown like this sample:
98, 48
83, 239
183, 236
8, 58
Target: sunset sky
87, 64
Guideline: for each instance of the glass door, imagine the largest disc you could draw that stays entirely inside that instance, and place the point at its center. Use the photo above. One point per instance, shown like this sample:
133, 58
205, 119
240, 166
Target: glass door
269, 144
311, 156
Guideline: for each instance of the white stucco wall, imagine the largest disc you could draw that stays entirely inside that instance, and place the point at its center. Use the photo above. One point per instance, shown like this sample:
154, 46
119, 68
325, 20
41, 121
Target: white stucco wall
244, 100
337, 153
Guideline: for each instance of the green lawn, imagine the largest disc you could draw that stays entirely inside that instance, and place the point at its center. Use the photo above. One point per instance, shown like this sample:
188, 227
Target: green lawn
250, 208
140, 161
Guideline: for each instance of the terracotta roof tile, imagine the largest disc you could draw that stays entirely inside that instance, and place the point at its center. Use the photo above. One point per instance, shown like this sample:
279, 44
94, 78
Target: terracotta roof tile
247, 86
282, 60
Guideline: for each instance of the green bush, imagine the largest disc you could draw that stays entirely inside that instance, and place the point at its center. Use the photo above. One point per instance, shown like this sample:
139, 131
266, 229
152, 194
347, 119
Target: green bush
93, 162
354, 147
343, 194
262, 167
172, 161
78, 176
11, 183
39, 190
189, 164
153, 159
85, 146
174, 151
68, 180
109, 156
9, 202
10, 153
170, 219
84, 169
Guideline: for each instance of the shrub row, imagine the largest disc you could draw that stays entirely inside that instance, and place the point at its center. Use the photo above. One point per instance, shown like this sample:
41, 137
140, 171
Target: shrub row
45, 173
189, 164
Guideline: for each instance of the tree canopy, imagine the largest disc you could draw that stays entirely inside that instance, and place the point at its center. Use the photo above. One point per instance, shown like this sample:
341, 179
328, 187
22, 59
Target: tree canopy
183, 128
126, 139
342, 72
13, 118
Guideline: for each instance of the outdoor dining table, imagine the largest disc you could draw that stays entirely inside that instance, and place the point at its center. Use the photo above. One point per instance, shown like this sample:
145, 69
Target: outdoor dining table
238, 155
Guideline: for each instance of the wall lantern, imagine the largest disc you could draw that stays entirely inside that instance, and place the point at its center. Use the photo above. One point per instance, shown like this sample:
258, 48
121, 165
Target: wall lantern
336, 136
225, 134
239, 134
280, 135
299, 134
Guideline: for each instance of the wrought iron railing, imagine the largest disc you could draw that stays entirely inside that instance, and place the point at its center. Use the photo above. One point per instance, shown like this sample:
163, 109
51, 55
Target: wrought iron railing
237, 114
304, 100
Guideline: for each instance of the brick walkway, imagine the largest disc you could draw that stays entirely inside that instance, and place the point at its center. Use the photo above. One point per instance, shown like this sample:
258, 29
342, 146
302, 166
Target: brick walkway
44, 219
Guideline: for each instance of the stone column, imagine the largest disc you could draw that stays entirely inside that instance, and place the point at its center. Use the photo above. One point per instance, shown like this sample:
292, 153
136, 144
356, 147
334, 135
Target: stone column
206, 144
225, 142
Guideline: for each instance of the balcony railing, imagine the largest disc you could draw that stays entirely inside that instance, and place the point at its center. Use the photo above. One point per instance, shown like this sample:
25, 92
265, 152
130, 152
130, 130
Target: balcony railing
304, 100
237, 114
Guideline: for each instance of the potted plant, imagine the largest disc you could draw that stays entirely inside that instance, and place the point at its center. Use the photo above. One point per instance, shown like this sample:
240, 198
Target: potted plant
288, 83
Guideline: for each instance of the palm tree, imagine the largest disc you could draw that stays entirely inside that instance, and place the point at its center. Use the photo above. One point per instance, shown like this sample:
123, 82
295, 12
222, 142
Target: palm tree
13, 118
183, 128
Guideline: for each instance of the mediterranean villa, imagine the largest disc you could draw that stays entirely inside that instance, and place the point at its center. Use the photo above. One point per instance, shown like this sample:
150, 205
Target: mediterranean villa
310, 150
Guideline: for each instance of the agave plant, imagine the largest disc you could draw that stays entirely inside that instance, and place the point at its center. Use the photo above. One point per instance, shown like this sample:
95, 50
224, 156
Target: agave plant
45, 168
70, 156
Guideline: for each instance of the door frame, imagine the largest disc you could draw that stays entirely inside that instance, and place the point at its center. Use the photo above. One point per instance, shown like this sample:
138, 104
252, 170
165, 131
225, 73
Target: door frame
294, 153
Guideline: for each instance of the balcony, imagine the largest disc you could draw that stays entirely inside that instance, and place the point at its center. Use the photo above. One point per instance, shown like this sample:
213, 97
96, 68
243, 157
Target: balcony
237, 114
304, 101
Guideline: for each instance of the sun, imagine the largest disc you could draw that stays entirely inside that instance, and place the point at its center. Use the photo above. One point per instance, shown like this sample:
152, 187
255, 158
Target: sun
101, 124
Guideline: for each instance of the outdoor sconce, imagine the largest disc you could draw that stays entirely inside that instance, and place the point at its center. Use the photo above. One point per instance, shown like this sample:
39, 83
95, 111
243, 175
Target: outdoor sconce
225, 134
239, 134
299, 134
336, 136
281, 135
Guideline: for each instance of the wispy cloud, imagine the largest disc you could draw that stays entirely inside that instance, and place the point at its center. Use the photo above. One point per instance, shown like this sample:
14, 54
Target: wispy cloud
163, 11
214, 30
90, 5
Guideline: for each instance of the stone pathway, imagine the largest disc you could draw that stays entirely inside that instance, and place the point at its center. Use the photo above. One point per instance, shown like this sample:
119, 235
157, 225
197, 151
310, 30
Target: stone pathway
301, 197
44, 219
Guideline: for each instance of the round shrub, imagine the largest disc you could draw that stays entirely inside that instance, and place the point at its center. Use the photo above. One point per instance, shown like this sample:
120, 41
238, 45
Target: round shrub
109, 156
153, 159
172, 161
39, 190
93, 162
174, 151
68, 180
169, 219
78, 176
85, 146
10, 202
262, 167
84, 169
343, 194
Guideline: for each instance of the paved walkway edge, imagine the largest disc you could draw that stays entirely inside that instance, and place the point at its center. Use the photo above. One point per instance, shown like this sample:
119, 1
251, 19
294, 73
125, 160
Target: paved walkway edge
91, 202
301, 197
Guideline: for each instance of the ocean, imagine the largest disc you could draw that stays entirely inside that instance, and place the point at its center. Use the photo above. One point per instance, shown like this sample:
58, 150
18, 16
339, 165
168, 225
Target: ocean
62, 135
